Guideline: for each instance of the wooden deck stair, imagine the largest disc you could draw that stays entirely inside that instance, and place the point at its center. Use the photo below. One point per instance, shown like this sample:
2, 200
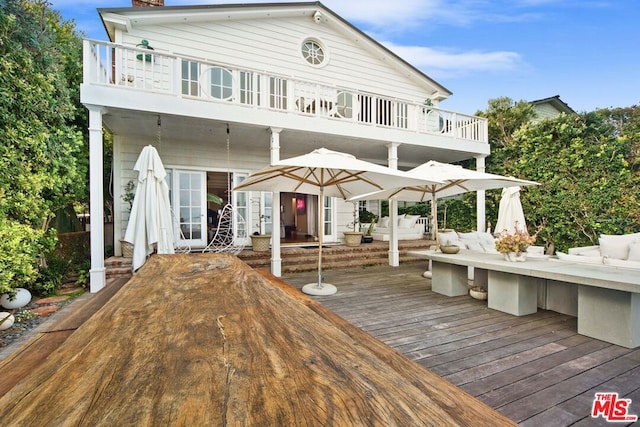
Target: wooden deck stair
298, 259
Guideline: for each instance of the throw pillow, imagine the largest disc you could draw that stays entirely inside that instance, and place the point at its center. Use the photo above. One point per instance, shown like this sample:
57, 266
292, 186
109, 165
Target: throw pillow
400, 218
616, 246
383, 222
473, 245
469, 236
406, 223
413, 218
634, 251
590, 252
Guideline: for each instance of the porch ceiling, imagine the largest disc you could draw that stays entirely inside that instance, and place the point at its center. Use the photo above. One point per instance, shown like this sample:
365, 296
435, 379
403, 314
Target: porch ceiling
245, 137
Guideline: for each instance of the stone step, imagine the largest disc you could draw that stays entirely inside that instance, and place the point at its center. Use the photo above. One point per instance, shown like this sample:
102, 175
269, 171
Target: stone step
298, 259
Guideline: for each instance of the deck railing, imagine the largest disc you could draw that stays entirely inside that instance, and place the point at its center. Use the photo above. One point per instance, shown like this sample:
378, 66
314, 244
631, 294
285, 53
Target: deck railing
144, 69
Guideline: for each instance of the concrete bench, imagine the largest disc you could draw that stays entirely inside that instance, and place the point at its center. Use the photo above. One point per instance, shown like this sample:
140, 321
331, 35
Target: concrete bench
605, 299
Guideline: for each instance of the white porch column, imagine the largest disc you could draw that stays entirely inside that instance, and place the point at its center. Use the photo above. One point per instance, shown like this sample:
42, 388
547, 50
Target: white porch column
481, 219
97, 276
394, 253
276, 257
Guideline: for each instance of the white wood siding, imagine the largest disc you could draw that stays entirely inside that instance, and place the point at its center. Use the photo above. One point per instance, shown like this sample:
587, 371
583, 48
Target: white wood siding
273, 45
189, 155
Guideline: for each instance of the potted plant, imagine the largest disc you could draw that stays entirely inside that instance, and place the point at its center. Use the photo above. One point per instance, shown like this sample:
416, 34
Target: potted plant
367, 224
353, 238
260, 242
514, 246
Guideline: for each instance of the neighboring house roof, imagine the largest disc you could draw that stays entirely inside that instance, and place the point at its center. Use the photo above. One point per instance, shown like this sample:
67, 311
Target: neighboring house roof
550, 107
112, 18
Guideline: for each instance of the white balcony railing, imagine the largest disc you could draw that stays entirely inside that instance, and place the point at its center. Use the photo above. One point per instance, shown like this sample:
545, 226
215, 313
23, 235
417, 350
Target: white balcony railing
147, 70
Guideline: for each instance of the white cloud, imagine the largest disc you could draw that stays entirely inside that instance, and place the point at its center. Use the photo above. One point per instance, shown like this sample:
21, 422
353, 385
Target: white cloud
440, 63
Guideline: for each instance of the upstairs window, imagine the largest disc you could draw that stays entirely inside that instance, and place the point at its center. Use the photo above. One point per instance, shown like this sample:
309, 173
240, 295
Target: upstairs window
313, 52
190, 72
220, 83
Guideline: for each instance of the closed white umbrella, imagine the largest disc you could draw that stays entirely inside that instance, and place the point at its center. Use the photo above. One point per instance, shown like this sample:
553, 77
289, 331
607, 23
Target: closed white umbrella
454, 179
325, 173
150, 225
510, 213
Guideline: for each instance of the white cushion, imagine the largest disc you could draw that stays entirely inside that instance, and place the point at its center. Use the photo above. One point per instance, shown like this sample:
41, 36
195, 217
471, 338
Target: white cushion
383, 222
406, 223
535, 250
413, 218
622, 263
617, 247
473, 245
469, 236
579, 258
487, 239
400, 218
490, 249
590, 252
634, 251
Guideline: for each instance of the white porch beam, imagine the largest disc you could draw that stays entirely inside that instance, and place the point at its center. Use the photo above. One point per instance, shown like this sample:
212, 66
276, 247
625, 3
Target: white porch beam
394, 253
276, 255
97, 276
481, 215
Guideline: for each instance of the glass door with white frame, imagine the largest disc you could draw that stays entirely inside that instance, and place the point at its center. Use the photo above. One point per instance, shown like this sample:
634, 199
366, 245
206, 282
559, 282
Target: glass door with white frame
241, 204
190, 201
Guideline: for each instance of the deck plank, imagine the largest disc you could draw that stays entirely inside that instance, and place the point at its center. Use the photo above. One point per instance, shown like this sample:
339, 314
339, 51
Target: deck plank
535, 369
203, 339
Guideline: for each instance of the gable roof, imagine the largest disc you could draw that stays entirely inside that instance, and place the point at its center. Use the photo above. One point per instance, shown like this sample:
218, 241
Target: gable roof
124, 18
556, 103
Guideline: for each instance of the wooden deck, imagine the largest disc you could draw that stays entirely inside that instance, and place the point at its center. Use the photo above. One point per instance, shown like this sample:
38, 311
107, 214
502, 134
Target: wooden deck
534, 369
204, 340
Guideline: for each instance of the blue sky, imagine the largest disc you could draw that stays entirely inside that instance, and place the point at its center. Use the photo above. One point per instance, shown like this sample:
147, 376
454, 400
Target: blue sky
586, 51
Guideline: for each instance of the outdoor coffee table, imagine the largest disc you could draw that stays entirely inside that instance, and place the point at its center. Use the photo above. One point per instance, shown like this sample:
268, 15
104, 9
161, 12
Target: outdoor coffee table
607, 302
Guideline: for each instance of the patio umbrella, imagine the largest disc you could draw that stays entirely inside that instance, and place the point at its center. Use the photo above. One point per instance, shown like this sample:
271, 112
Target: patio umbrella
454, 180
510, 213
150, 226
325, 173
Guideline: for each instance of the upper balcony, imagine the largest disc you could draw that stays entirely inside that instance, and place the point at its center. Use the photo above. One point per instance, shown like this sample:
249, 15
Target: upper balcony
147, 71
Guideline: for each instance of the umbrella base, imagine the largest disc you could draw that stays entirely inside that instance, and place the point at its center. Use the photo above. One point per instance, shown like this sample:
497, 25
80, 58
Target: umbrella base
313, 289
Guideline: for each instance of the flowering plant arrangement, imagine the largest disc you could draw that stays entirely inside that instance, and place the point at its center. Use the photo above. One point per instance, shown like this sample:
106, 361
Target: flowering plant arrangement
517, 242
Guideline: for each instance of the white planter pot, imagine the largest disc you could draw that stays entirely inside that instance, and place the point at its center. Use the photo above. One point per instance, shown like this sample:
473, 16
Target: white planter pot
261, 242
8, 322
514, 256
21, 299
352, 238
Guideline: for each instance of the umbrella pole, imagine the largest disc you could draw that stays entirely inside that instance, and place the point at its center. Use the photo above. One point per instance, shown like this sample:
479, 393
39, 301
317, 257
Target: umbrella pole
320, 288
320, 235
434, 217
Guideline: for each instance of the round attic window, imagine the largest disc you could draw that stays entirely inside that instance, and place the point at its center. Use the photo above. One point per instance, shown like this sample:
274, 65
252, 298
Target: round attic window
313, 52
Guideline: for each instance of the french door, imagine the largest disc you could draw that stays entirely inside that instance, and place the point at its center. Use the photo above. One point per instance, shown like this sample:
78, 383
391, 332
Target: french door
189, 188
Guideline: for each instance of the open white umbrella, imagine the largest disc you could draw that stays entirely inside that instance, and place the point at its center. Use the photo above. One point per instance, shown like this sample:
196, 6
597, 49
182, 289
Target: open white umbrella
150, 226
510, 213
325, 173
454, 180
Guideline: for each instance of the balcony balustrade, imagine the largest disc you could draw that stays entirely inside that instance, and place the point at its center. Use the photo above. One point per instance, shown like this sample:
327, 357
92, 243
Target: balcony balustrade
143, 69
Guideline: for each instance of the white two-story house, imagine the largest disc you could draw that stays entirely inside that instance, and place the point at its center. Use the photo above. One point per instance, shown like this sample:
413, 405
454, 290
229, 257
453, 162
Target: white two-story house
223, 90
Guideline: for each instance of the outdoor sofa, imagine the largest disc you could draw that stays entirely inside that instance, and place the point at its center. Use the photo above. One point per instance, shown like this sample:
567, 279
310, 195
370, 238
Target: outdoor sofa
614, 250
408, 228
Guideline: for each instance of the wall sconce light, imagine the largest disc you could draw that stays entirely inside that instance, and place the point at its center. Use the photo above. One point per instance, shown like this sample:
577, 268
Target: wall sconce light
144, 44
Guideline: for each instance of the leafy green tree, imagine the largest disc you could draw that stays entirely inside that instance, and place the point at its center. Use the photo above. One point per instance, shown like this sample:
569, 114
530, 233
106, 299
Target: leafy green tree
587, 168
40, 146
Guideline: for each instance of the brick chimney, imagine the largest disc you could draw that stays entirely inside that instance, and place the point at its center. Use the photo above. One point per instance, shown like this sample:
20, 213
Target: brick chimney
147, 3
